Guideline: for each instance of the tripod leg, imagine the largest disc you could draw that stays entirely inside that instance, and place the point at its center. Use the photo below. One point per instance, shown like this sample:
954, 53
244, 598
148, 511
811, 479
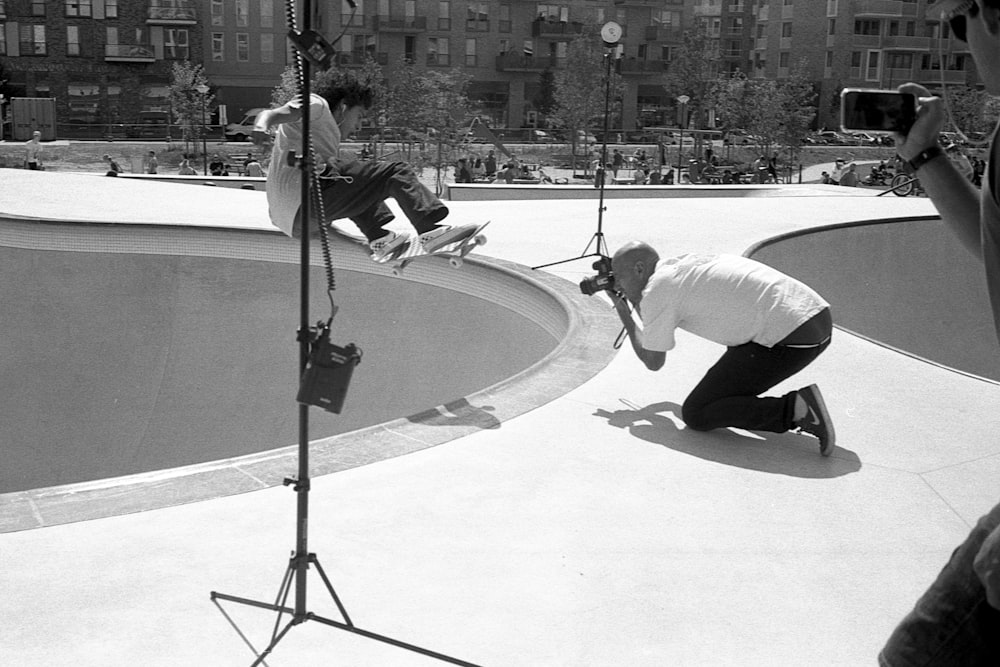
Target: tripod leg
274, 642
329, 587
245, 639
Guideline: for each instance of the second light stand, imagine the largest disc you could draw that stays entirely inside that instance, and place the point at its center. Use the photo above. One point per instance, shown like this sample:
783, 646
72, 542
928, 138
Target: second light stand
597, 242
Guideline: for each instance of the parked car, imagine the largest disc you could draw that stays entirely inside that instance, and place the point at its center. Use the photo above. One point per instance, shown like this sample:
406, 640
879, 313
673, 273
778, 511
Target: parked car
242, 130
541, 136
832, 138
738, 136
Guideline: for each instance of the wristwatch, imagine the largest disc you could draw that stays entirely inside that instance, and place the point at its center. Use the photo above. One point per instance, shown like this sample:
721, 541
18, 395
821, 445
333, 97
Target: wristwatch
925, 156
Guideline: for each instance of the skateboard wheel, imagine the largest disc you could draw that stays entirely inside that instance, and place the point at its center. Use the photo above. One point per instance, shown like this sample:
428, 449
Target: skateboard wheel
480, 240
455, 262
397, 271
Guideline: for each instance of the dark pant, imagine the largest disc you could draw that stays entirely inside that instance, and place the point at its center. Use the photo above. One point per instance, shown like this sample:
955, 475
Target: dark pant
953, 622
363, 199
728, 394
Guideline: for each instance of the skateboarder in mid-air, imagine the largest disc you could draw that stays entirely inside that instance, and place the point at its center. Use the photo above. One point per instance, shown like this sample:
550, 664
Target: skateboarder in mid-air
349, 188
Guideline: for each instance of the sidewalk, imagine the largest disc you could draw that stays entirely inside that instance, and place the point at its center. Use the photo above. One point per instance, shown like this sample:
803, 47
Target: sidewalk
592, 531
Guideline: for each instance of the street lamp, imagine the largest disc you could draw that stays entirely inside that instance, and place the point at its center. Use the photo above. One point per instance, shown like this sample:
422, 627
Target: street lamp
203, 89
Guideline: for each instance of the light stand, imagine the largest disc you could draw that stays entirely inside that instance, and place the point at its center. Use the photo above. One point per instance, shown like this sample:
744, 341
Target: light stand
203, 89
312, 46
610, 33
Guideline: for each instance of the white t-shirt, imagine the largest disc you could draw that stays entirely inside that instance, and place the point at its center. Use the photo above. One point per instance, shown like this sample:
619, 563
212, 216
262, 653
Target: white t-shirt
727, 299
284, 182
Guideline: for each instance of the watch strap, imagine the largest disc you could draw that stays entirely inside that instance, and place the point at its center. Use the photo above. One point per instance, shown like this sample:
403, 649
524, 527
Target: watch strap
924, 157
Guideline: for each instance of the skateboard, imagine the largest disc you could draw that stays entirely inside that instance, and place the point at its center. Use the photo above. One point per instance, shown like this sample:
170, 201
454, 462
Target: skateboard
454, 251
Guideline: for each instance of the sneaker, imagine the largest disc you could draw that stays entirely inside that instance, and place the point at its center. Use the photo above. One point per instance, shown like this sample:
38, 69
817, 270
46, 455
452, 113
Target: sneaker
817, 420
388, 246
441, 236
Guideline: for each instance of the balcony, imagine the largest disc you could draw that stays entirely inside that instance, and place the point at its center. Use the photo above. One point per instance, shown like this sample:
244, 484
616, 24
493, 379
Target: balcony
408, 24
510, 62
864, 8
655, 33
556, 29
129, 53
357, 59
636, 66
934, 77
172, 12
904, 43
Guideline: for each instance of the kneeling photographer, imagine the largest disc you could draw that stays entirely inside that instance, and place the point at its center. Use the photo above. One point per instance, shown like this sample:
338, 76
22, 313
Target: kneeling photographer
772, 325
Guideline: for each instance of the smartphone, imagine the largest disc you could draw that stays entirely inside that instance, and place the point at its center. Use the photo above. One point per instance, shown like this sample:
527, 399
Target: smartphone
881, 111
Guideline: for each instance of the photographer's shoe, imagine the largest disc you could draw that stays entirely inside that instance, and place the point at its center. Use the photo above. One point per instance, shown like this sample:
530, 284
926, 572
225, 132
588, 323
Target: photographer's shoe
389, 246
439, 237
817, 420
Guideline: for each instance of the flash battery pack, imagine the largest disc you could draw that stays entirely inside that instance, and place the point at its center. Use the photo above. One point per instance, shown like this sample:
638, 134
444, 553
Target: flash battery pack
328, 374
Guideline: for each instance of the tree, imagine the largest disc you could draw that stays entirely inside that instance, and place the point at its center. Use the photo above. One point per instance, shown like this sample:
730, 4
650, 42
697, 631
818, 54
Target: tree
968, 108
580, 87
544, 100
691, 72
189, 107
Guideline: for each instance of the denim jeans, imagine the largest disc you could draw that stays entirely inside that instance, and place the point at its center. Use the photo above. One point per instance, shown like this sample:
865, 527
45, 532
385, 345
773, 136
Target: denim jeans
953, 623
363, 199
729, 394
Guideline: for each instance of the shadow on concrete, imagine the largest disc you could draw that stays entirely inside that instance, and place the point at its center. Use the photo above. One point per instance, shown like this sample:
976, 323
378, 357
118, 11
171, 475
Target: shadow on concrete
458, 413
789, 454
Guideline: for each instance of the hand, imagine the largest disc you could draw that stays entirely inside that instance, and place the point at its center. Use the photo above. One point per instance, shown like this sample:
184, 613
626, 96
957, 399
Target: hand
931, 116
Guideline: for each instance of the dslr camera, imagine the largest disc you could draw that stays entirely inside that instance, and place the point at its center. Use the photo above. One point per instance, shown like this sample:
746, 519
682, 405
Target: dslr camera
604, 280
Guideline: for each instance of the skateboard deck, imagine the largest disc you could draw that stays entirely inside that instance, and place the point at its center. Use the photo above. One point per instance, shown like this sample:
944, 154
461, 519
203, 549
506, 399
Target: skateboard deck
455, 251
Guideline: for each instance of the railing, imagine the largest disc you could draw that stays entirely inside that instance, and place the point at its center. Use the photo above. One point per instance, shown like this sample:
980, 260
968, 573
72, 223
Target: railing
130, 52
546, 28
172, 11
517, 63
408, 24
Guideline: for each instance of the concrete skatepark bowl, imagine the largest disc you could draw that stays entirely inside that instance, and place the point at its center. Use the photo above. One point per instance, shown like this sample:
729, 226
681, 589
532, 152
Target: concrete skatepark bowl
140, 349
907, 284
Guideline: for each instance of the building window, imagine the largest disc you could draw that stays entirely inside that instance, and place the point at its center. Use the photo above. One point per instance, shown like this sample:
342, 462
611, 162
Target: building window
554, 13
267, 15
899, 60
218, 47
478, 17
503, 47
470, 53
33, 40
242, 13
867, 27
350, 16
872, 70
38, 7
267, 48
218, 13
444, 15
3, 39
110, 9
831, 28
829, 59
786, 30
503, 18
72, 40
79, 8
175, 44
438, 52
242, 47
783, 58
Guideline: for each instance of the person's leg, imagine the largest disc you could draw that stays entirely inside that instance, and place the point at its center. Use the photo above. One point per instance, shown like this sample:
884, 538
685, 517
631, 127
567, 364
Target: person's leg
729, 394
363, 198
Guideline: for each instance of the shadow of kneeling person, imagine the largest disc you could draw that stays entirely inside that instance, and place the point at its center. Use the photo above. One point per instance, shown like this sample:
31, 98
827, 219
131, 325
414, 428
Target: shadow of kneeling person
788, 454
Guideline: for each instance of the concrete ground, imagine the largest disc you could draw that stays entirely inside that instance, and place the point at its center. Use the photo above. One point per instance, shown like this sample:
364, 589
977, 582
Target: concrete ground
593, 530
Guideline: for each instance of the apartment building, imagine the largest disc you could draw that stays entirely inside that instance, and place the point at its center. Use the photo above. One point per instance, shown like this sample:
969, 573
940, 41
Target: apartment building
857, 43
107, 60
103, 61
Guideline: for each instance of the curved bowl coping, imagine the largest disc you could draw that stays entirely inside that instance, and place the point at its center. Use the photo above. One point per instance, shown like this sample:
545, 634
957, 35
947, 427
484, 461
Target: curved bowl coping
582, 326
778, 239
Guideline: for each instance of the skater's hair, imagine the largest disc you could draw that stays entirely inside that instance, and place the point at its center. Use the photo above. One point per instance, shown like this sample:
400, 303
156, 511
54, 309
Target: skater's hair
343, 86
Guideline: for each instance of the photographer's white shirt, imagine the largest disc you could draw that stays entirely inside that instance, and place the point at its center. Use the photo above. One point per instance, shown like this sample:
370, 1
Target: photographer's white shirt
284, 182
728, 299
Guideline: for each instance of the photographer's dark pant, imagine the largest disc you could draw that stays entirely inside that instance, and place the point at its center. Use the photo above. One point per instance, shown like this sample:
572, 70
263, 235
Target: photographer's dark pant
728, 395
363, 199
